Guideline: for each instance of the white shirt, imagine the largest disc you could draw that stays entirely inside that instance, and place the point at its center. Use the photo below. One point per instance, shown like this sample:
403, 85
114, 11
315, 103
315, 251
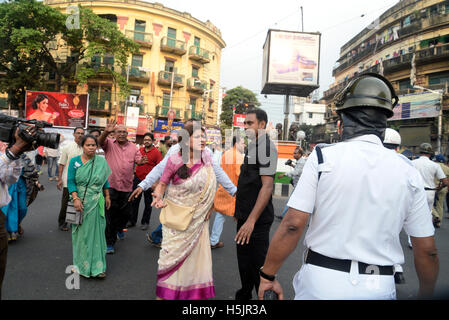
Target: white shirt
68, 152
365, 196
10, 171
429, 170
156, 173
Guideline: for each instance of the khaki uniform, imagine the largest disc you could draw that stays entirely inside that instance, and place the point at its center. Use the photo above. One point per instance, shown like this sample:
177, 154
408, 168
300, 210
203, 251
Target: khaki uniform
437, 210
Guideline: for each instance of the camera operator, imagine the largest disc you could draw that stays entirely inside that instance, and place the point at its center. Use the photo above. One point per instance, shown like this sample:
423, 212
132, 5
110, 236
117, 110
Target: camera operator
10, 169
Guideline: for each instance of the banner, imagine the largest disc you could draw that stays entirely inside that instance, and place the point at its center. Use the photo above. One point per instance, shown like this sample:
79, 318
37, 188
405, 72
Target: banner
144, 125
239, 120
132, 117
66, 110
213, 135
417, 105
162, 125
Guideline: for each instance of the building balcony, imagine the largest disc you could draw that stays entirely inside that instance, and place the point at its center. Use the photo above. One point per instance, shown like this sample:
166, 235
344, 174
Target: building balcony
398, 63
434, 54
196, 85
174, 46
162, 111
165, 77
199, 54
136, 75
197, 115
142, 38
102, 69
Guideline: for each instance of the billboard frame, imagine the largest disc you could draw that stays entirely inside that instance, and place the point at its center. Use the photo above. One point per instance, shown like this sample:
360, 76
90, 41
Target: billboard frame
299, 90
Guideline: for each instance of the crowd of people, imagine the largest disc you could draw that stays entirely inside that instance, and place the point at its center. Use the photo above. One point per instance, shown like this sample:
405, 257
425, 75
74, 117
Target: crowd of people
353, 197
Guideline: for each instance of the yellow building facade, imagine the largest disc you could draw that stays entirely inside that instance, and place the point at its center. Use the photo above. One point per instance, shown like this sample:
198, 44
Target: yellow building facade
411, 36
176, 71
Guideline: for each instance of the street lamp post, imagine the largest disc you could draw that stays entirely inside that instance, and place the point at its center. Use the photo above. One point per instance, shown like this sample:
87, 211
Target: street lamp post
440, 115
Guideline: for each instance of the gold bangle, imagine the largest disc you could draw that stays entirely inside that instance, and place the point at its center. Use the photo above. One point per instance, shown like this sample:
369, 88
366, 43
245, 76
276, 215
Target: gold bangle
76, 198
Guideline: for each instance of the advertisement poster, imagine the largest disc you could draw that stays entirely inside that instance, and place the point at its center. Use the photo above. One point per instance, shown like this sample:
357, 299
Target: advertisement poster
417, 105
162, 125
132, 117
239, 120
65, 110
293, 58
144, 124
213, 135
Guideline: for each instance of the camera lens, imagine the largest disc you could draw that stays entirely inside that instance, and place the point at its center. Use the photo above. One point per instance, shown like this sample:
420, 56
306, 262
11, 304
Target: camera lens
49, 140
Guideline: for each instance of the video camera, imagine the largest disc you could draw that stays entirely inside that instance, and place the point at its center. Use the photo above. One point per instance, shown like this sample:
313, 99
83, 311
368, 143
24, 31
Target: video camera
9, 125
288, 162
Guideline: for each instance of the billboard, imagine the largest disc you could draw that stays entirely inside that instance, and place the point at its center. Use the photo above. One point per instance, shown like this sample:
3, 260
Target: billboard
291, 63
239, 120
417, 105
65, 110
162, 125
213, 135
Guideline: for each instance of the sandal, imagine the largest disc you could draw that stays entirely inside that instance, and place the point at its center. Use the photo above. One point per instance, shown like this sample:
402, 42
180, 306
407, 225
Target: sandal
101, 275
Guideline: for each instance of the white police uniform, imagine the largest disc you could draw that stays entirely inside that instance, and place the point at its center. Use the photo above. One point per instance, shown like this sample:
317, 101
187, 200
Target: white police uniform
429, 171
365, 195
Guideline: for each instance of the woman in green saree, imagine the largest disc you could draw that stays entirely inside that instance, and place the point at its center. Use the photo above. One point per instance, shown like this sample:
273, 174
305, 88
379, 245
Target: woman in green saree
88, 239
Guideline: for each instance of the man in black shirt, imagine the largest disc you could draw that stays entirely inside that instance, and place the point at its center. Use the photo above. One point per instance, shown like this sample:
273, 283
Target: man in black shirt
254, 209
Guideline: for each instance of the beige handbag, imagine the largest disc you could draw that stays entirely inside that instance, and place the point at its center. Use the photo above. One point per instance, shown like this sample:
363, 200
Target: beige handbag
178, 217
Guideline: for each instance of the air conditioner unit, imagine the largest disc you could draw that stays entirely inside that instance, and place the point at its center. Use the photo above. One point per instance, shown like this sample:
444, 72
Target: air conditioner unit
133, 99
188, 107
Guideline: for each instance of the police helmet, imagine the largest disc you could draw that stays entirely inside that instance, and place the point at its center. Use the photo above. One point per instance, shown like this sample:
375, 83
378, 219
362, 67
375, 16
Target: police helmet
392, 137
425, 148
368, 90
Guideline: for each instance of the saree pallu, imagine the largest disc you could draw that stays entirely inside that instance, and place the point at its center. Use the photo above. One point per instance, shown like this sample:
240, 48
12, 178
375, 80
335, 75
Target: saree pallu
185, 260
88, 239
17, 208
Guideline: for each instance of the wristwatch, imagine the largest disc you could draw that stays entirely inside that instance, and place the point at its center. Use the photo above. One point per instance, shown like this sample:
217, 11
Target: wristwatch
266, 276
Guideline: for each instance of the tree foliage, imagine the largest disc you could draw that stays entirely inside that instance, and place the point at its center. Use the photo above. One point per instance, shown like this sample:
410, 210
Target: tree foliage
237, 97
29, 31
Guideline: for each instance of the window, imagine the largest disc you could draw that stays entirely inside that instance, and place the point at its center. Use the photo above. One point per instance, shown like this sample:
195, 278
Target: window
99, 97
166, 100
310, 115
139, 27
211, 105
404, 84
137, 60
169, 66
171, 37
439, 78
195, 71
196, 43
193, 104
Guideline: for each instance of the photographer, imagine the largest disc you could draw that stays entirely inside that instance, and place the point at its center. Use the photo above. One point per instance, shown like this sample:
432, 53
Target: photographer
10, 170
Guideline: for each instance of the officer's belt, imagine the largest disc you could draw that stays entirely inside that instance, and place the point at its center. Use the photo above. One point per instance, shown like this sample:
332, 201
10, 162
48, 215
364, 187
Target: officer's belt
345, 265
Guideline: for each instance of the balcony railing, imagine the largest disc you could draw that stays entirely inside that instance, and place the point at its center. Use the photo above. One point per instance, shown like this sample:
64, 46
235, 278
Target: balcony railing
196, 85
135, 74
162, 111
199, 54
433, 54
397, 63
173, 46
197, 115
143, 38
165, 78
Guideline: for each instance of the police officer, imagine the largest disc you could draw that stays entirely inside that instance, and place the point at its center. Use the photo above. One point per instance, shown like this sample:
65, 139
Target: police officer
438, 209
429, 171
359, 196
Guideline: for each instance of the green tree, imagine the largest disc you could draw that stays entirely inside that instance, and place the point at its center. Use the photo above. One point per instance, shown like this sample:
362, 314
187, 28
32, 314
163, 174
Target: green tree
237, 97
29, 31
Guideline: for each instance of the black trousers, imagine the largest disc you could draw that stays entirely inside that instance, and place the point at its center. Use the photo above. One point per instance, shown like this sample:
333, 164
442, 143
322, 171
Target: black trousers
3, 249
148, 199
64, 201
117, 215
250, 258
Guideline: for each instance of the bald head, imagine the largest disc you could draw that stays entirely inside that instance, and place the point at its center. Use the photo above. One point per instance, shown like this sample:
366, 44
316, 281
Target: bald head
121, 134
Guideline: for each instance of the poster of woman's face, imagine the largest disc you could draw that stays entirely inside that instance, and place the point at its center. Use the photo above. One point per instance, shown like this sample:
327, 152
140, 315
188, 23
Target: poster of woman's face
58, 108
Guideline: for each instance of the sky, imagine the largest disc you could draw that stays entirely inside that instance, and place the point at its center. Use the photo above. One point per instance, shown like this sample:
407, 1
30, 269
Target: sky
244, 25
